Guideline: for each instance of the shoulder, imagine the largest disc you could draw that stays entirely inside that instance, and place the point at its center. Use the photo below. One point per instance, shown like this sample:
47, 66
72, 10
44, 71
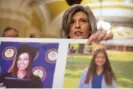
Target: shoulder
2, 78
6, 74
82, 83
84, 73
34, 77
86, 69
36, 81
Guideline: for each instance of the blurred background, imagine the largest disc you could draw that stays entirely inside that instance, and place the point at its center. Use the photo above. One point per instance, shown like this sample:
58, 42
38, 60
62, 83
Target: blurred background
42, 18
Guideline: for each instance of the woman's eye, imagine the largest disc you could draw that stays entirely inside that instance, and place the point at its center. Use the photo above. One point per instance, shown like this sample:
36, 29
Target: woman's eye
19, 59
83, 20
25, 59
72, 21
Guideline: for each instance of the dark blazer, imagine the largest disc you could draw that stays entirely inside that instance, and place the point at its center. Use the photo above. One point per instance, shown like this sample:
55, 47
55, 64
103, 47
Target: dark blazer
35, 81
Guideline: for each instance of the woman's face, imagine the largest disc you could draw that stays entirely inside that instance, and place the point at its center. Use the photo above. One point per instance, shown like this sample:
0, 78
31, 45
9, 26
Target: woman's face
79, 27
100, 60
23, 61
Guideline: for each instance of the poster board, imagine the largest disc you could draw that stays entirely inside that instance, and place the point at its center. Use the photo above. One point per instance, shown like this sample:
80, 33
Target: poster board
58, 77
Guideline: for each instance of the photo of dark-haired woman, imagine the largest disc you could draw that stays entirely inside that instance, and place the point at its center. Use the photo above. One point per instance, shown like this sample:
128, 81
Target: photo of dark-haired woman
23, 66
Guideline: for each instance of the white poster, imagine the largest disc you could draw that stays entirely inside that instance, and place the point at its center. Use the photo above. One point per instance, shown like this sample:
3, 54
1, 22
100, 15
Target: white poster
72, 57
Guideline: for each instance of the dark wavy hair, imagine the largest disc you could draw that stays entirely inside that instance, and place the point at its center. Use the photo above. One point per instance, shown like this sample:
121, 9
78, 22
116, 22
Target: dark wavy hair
32, 51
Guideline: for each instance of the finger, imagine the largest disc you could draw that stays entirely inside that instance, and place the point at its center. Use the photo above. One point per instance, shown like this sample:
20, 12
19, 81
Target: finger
95, 35
101, 36
92, 38
108, 36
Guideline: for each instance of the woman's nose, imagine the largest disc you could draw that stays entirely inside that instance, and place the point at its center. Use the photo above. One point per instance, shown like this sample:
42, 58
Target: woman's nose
77, 24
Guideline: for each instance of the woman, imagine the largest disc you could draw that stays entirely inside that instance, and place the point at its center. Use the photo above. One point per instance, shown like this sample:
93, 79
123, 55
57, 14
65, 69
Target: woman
23, 66
78, 22
99, 74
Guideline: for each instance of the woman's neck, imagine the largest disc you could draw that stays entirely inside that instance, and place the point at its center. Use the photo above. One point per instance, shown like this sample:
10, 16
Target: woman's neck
21, 74
99, 70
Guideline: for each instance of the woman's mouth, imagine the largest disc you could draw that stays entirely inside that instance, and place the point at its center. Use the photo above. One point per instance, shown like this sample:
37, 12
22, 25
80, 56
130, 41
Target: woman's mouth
21, 65
78, 33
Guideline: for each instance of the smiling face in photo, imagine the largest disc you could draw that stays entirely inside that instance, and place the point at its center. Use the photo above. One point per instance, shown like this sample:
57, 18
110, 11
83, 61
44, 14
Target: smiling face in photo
23, 61
100, 59
79, 27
